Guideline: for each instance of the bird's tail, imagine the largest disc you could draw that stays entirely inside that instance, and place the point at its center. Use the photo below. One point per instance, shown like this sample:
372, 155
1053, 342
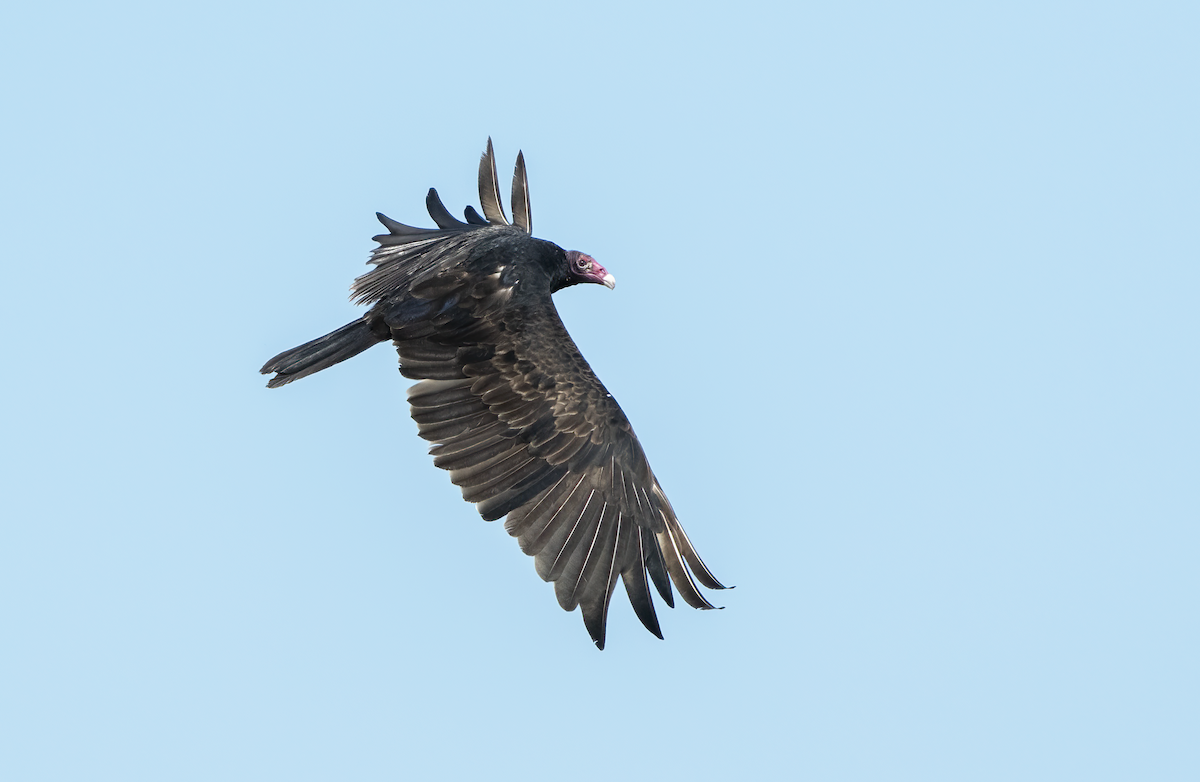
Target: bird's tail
323, 352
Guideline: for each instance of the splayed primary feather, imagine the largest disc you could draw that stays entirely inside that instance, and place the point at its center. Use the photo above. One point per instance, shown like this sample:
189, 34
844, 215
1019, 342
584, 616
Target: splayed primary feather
522, 217
489, 188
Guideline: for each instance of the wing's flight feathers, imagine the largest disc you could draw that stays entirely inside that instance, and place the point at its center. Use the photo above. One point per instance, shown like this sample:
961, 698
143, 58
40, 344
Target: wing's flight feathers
516, 470
410, 251
440, 214
528, 523
589, 511
561, 536
522, 217
485, 452
596, 594
597, 560
684, 545
568, 565
679, 572
413, 262
652, 560
527, 491
637, 587
489, 188
397, 228
697, 566
590, 552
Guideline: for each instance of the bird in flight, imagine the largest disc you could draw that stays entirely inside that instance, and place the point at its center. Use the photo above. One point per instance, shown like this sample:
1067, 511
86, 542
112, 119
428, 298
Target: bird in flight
514, 412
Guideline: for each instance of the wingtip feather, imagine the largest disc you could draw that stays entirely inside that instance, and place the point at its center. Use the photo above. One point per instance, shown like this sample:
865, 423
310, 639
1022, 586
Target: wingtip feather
489, 187
522, 215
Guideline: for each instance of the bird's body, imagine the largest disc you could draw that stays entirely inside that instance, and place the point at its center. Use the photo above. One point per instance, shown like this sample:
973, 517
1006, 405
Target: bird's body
515, 413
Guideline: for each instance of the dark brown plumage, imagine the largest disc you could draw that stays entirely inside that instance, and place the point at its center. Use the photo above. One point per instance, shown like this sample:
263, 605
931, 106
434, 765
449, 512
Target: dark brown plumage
514, 411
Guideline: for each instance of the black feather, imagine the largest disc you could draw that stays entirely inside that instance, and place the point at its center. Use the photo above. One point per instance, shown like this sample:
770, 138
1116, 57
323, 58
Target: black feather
489, 188
440, 214
522, 216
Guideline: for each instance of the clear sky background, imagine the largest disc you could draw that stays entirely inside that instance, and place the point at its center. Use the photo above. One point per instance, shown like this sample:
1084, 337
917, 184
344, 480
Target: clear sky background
906, 320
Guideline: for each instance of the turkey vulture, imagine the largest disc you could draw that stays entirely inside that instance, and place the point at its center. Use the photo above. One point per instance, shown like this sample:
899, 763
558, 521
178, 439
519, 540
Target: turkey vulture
514, 412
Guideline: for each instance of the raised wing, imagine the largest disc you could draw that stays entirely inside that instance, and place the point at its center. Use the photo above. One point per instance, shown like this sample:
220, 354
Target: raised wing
407, 255
527, 430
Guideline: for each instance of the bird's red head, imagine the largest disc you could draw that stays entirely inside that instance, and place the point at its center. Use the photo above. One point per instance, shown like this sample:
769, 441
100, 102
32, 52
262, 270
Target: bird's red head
583, 268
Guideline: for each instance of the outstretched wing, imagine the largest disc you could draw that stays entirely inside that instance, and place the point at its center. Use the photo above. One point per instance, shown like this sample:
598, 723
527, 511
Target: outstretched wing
527, 430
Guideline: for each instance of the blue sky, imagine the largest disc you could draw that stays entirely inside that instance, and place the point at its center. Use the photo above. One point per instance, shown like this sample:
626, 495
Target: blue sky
906, 321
